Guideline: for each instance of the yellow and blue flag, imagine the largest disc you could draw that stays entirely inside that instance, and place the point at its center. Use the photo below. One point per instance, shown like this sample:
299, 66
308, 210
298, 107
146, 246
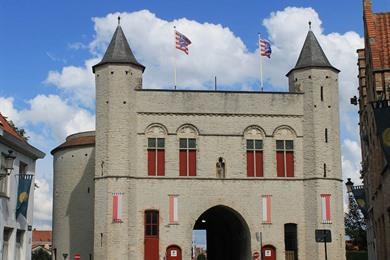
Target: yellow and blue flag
23, 194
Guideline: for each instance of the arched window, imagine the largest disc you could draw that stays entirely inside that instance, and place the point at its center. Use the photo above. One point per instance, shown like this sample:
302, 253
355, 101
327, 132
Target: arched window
187, 135
254, 151
284, 142
156, 150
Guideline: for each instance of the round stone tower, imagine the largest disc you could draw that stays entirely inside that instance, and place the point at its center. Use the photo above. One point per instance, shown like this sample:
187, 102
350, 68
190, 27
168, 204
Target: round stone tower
73, 193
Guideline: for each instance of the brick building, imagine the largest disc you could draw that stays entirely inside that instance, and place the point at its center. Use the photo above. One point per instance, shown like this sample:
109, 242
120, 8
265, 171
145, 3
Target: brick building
234, 163
374, 92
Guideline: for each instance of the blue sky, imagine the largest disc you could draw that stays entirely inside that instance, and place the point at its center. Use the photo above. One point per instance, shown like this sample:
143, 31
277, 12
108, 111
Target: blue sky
47, 48
33, 30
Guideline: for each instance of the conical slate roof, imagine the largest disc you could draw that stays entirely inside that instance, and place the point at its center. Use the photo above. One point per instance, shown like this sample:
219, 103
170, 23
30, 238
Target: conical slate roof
119, 51
312, 55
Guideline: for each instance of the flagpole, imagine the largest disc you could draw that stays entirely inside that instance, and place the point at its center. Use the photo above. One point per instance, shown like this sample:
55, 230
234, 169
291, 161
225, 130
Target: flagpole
174, 57
261, 64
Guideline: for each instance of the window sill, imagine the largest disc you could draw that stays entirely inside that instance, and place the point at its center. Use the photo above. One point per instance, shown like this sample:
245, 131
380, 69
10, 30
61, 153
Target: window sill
173, 224
267, 223
326, 222
4, 195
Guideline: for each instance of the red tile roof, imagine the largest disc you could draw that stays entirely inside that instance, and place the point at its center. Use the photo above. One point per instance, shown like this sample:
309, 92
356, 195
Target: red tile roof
8, 128
41, 236
377, 27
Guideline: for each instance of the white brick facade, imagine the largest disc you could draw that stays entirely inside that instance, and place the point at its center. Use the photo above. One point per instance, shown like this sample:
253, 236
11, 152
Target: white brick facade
124, 114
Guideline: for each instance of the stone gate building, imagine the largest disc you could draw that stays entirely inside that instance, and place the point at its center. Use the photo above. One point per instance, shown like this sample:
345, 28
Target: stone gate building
241, 165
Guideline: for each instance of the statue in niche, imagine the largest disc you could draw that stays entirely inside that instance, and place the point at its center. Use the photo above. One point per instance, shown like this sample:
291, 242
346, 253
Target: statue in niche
221, 168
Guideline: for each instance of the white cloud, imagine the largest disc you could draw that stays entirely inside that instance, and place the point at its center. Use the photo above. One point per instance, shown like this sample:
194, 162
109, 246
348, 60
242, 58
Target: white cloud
60, 117
7, 109
42, 201
78, 82
215, 50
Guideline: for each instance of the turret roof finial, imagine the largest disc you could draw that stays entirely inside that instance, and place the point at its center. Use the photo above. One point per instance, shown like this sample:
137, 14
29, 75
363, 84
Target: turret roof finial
309, 25
119, 20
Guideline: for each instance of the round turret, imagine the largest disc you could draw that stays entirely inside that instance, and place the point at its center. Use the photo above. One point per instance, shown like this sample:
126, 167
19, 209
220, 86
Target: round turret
73, 192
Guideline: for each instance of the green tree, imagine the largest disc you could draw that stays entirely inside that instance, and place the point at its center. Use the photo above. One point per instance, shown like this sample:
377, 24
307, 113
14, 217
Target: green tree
201, 257
20, 131
40, 254
355, 225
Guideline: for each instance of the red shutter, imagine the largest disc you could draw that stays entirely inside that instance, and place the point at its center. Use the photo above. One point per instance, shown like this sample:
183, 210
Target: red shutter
192, 162
280, 163
151, 162
259, 163
161, 162
183, 163
151, 248
249, 164
290, 164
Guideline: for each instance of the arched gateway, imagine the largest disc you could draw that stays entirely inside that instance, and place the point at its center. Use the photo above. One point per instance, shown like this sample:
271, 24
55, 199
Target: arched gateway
227, 234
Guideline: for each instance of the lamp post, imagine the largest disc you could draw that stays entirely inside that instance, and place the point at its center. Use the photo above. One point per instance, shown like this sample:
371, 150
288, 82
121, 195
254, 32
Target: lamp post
8, 164
349, 185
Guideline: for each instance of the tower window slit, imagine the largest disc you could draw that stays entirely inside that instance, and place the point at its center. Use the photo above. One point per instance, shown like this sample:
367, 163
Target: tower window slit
322, 93
326, 135
324, 170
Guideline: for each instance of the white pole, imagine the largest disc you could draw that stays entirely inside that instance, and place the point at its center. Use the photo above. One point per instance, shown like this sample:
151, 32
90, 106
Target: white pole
261, 64
174, 57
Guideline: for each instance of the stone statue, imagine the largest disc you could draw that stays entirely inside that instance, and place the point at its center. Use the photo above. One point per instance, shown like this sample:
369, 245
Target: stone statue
221, 170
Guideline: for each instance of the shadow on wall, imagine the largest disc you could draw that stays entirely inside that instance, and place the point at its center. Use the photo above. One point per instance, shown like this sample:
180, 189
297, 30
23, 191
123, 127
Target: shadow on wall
80, 213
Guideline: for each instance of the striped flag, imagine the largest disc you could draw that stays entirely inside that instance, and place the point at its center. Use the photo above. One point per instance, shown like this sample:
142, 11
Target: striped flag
117, 207
325, 208
173, 209
182, 42
265, 48
266, 208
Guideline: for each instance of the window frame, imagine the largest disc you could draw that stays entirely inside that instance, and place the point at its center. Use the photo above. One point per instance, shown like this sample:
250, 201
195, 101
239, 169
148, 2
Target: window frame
254, 149
285, 149
156, 147
156, 224
187, 148
4, 181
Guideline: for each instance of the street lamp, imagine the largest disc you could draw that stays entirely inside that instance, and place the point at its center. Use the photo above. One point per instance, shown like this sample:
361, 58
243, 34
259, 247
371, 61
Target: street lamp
349, 185
8, 164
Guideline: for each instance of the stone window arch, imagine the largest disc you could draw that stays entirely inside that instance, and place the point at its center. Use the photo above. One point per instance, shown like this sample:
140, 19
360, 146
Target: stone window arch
156, 130
284, 143
187, 135
156, 134
254, 136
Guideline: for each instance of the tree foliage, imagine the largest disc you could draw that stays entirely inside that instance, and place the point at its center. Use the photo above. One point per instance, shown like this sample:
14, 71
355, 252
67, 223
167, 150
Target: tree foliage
355, 225
201, 257
19, 130
40, 254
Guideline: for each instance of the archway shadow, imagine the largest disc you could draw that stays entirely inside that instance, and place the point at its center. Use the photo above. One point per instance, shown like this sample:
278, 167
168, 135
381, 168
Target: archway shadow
227, 234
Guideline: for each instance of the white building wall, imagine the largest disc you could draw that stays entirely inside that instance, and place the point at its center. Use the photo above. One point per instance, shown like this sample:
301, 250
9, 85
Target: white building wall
8, 209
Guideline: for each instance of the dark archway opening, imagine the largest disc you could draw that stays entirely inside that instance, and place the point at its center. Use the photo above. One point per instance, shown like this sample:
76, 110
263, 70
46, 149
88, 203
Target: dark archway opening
227, 234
